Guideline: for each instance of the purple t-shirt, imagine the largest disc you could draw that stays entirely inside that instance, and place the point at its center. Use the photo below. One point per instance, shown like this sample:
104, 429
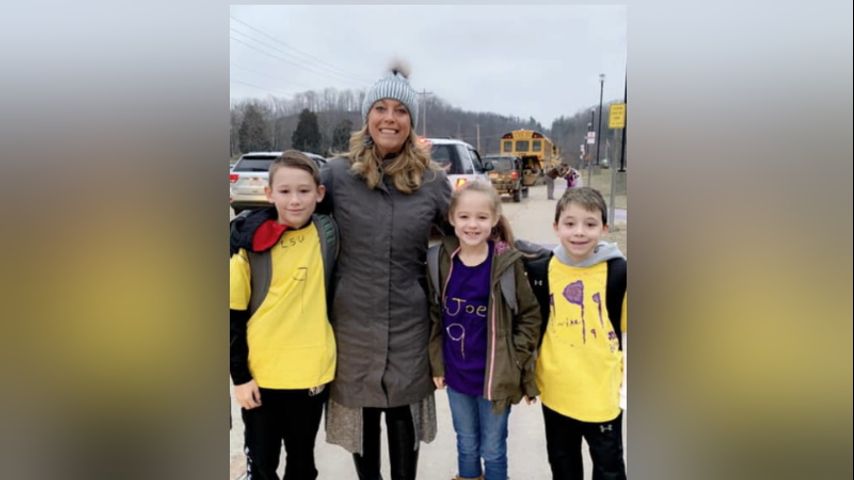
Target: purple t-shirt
464, 320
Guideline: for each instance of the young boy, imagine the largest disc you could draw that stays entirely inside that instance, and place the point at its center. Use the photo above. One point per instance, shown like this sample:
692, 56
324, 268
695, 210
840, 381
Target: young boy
282, 345
579, 369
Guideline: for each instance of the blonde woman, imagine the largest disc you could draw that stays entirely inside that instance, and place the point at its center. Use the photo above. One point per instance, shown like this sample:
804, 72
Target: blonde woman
385, 195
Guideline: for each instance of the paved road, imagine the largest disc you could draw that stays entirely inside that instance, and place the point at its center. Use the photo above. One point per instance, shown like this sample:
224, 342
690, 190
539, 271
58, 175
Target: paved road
531, 219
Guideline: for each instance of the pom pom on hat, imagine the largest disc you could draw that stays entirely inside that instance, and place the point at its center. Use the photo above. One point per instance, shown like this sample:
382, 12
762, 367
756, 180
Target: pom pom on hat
395, 86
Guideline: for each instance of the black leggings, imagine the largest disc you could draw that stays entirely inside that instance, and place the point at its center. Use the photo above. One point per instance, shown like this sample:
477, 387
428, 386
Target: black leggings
402, 451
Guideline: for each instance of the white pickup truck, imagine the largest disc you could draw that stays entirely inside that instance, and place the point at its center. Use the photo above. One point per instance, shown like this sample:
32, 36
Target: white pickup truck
460, 161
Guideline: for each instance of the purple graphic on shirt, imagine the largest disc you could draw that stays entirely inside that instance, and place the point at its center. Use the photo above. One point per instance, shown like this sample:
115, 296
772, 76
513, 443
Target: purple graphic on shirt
551, 307
598, 300
574, 294
612, 336
464, 318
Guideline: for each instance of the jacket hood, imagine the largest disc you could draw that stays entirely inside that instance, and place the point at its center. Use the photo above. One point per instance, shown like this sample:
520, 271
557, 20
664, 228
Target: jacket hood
243, 228
503, 254
603, 252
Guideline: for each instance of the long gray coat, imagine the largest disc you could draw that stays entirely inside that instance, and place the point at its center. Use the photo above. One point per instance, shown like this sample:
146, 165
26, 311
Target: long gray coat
379, 311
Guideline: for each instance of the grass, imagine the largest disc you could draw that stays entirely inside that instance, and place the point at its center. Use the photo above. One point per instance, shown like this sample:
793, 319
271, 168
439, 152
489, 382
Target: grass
601, 181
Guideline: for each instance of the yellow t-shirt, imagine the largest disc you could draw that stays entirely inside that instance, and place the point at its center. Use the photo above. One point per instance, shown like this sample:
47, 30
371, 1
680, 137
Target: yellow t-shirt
580, 367
291, 344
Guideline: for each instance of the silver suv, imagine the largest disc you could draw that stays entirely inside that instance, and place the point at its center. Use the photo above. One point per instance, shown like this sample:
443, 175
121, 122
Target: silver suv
460, 161
249, 176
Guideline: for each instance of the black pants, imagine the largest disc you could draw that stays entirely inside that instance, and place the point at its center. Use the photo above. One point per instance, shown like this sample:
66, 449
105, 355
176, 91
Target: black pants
292, 416
563, 443
403, 456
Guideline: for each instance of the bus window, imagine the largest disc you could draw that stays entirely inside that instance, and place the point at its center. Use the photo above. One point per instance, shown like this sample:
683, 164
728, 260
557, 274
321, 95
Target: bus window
508, 146
537, 145
521, 145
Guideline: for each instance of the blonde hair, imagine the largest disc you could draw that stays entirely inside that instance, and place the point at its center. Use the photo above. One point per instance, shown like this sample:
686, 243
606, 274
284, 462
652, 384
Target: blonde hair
501, 231
406, 170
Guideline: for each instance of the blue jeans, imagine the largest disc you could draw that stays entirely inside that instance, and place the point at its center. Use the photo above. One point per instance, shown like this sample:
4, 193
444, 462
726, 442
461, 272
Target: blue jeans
481, 433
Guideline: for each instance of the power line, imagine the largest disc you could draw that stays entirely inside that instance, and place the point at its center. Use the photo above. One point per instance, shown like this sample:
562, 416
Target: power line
286, 60
278, 79
268, 90
277, 57
284, 44
322, 63
267, 47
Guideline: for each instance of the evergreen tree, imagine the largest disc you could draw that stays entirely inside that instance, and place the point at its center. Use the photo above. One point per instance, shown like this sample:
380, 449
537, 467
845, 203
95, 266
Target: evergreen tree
307, 137
252, 135
341, 135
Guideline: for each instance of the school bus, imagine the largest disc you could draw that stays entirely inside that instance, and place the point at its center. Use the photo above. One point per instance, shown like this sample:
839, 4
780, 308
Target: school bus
537, 152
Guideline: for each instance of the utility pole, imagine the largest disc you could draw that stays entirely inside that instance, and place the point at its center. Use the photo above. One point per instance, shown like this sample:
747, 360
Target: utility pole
275, 146
588, 154
477, 125
623, 146
424, 94
599, 127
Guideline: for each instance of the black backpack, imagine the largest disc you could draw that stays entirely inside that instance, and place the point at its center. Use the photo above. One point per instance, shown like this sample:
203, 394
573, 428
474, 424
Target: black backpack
536, 259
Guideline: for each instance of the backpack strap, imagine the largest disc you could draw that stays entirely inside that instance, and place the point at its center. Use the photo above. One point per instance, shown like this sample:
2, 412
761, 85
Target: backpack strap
235, 226
536, 259
261, 271
433, 271
508, 288
538, 276
327, 230
615, 290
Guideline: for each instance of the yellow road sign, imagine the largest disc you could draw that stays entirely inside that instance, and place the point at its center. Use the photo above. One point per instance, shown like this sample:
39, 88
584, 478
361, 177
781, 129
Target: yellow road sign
617, 116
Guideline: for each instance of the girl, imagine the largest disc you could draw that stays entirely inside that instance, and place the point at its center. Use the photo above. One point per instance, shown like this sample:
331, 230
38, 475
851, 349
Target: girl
573, 179
480, 348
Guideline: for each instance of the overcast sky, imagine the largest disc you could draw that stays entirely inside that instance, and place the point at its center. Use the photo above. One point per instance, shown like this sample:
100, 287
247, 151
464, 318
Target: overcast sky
540, 61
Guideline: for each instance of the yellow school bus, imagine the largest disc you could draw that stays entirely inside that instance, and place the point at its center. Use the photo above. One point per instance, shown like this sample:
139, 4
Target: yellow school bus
537, 152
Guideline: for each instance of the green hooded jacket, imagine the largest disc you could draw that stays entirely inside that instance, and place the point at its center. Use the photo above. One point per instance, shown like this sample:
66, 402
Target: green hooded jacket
511, 339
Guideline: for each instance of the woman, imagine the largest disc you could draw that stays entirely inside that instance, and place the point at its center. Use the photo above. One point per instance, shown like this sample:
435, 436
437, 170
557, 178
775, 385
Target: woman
385, 195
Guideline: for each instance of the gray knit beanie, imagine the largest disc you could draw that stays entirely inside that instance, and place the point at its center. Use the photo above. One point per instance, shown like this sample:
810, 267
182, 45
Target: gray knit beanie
395, 86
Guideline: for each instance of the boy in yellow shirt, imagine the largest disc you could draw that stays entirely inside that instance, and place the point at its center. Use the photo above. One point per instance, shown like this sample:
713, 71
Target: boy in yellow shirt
282, 345
579, 369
